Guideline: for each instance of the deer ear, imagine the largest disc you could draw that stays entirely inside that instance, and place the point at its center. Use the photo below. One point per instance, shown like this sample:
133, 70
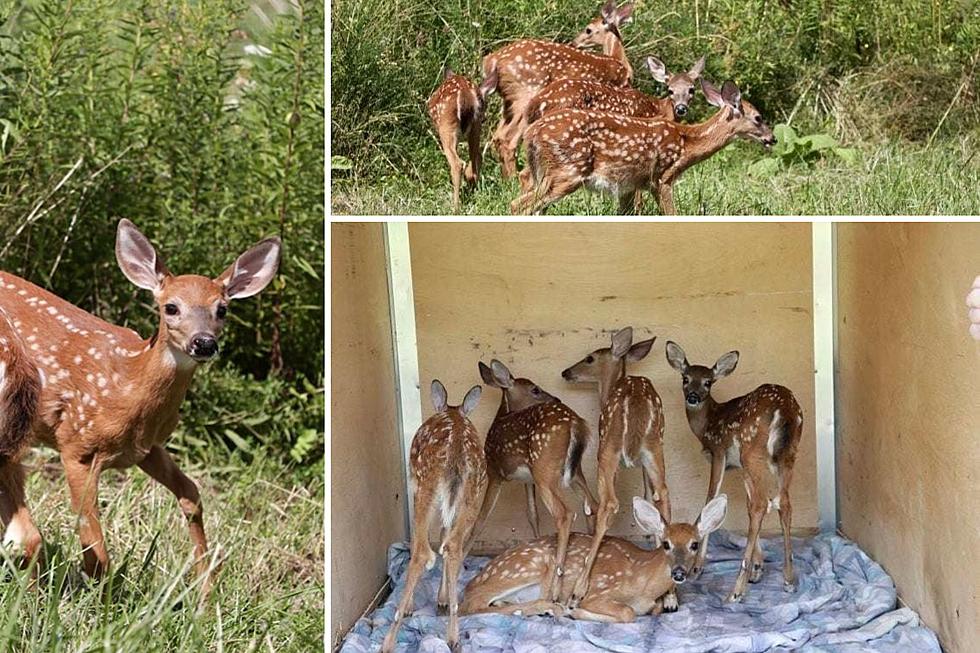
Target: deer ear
439, 400
137, 259
698, 68
640, 350
487, 375
732, 96
501, 375
676, 356
608, 11
657, 68
648, 518
624, 14
489, 84
252, 271
725, 365
712, 94
471, 400
447, 72
712, 515
621, 341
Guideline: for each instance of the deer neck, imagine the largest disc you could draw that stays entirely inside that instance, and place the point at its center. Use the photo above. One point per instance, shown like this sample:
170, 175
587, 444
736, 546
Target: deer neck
159, 376
613, 47
702, 140
701, 415
609, 378
504, 406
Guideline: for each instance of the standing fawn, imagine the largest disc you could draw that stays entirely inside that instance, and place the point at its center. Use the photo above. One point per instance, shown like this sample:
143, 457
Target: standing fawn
525, 67
538, 440
572, 148
102, 396
757, 431
626, 580
631, 430
448, 474
456, 108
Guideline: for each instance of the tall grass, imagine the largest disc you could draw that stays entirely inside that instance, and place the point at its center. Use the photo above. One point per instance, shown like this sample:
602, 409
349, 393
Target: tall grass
897, 80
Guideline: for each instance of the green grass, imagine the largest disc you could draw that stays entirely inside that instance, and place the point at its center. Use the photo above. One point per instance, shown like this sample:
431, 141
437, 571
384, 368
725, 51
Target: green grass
269, 595
888, 180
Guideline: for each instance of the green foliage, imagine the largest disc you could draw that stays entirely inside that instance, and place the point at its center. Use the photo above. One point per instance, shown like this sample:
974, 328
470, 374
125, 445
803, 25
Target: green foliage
793, 149
158, 113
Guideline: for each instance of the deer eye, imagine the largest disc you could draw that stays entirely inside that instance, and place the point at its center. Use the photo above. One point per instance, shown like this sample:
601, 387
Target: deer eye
708, 383
686, 379
222, 311
666, 545
588, 31
535, 390
694, 545
758, 120
171, 309
590, 359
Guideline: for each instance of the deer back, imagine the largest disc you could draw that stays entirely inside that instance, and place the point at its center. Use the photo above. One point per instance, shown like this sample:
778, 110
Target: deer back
455, 103
543, 434
446, 453
632, 418
767, 421
592, 95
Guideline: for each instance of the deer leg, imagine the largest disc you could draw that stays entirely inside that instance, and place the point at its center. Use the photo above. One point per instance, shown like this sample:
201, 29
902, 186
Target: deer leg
588, 500
638, 202
786, 521
489, 501
20, 534
448, 137
83, 484
529, 609
423, 557
515, 132
526, 177
608, 505
162, 468
453, 554
555, 190
472, 172
606, 610
757, 509
532, 509
563, 521
442, 599
653, 466
714, 486
499, 137
665, 197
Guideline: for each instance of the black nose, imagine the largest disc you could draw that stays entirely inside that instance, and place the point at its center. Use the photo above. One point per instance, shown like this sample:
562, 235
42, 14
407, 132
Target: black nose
680, 109
566, 374
204, 345
678, 574
693, 398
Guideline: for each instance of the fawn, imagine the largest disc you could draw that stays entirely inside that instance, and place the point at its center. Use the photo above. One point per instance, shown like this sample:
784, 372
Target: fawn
631, 430
525, 67
538, 440
102, 396
757, 431
572, 148
626, 580
448, 474
456, 108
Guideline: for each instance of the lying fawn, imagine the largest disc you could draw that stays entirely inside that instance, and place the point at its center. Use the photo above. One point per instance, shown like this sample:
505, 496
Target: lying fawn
538, 440
631, 430
456, 108
448, 474
527, 66
595, 95
572, 148
102, 396
756, 431
626, 580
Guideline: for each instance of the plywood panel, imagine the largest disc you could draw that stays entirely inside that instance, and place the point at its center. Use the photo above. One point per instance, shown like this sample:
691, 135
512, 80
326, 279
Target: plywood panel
367, 502
541, 296
909, 406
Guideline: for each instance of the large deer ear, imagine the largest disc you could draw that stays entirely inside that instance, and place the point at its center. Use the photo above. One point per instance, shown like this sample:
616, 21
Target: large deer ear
640, 350
487, 375
676, 356
732, 97
712, 515
608, 11
648, 518
137, 259
439, 400
621, 341
252, 271
501, 375
624, 14
712, 94
447, 72
471, 400
698, 68
657, 68
489, 83
725, 365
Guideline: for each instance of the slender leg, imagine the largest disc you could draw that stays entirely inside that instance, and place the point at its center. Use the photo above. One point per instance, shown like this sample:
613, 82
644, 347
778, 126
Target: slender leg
532, 509
529, 609
514, 133
472, 172
786, 520
489, 501
627, 204
499, 137
563, 521
757, 509
608, 505
558, 189
638, 202
588, 500
453, 553
162, 468
527, 179
606, 610
20, 533
653, 467
714, 485
83, 484
423, 557
442, 600
448, 138
665, 196
758, 562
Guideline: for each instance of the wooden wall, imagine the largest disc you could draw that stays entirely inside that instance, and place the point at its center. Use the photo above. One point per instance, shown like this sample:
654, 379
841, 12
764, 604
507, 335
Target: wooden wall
540, 296
367, 502
908, 414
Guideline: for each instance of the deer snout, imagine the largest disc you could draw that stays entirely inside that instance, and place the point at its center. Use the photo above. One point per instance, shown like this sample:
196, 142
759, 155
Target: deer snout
693, 399
203, 346
568, 375
678, 574
680, 109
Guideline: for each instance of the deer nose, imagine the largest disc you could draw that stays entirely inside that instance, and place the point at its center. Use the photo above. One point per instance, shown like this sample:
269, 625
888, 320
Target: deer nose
678, 574
693, 398
681, 109
203, 345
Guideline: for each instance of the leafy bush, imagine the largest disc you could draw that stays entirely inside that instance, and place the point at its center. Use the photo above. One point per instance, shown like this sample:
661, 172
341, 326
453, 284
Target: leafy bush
202, 123
791, 148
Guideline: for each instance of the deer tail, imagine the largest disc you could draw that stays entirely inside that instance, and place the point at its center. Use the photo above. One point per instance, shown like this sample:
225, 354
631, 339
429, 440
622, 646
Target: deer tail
577, 443
20, 390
